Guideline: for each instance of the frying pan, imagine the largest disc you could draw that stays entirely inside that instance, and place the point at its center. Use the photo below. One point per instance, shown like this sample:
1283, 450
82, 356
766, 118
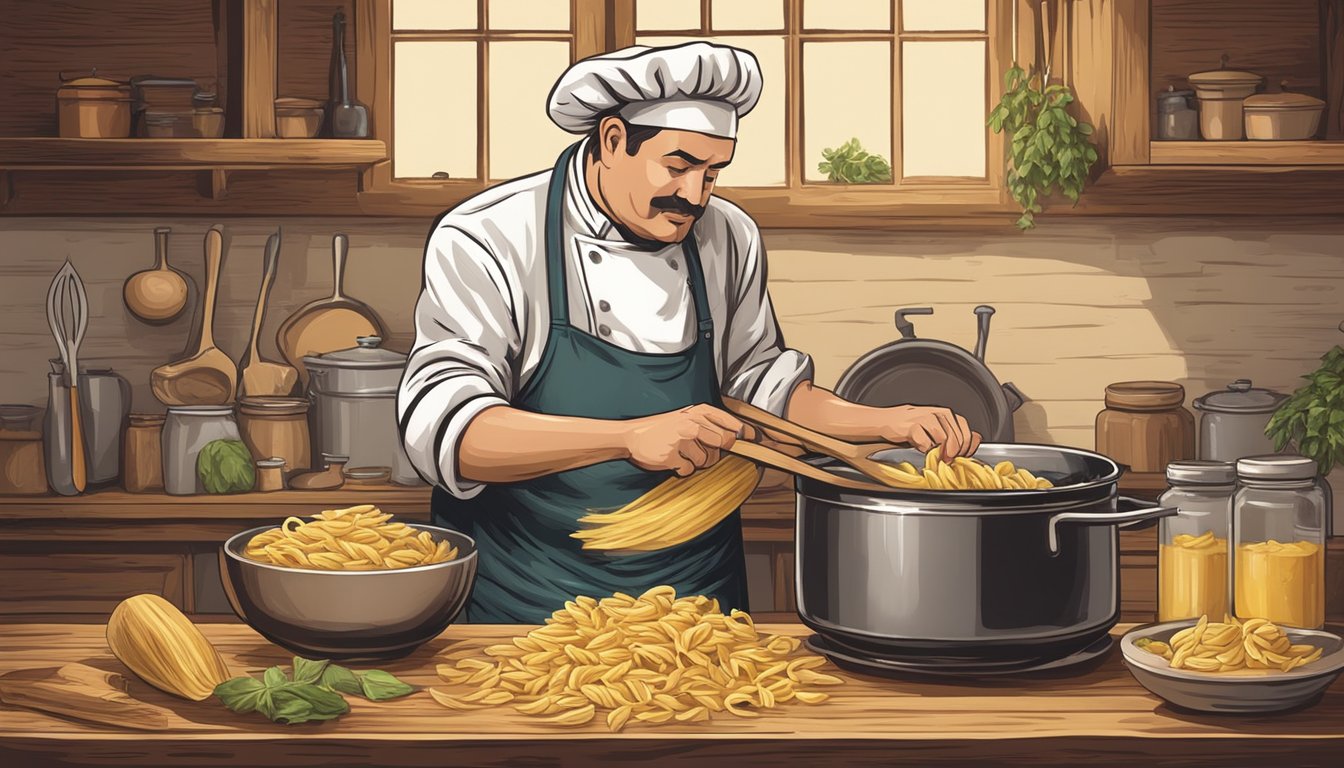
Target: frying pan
935, 373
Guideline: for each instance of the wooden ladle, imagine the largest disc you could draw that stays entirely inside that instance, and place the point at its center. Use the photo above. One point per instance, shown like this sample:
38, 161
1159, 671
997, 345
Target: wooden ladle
261, 377
160, 294
208, 377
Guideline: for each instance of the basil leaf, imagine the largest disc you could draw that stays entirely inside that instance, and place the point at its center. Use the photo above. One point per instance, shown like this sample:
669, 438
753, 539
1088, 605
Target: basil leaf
274, 677
308, 671
241, 694
381, 686
266, 702
323, 701
290, 707
339, 678
303, 702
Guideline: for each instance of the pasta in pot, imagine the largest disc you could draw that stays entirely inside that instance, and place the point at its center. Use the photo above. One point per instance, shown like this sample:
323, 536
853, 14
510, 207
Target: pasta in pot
962, 473
358, 538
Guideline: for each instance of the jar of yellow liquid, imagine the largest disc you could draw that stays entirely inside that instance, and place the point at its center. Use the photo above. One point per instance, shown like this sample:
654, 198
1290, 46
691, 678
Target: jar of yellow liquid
1278, 516
1192, 561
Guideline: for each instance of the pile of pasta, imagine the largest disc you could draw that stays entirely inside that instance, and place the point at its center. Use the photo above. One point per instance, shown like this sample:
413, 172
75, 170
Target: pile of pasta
360, 538
1232, 645
652, 659
962, 473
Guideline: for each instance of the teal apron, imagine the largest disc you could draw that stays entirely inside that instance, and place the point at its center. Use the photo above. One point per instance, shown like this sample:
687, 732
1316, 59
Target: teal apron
528, 564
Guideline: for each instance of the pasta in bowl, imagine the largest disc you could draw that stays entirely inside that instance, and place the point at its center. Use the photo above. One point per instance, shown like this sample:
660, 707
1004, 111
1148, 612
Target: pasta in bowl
349, 584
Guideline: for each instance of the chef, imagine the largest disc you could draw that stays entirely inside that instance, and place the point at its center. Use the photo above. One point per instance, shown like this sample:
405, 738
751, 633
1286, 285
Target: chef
578, 327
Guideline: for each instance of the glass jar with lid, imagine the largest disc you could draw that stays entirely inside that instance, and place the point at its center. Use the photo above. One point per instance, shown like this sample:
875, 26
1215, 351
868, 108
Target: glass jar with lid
186, 430
1193, 546
1278, 519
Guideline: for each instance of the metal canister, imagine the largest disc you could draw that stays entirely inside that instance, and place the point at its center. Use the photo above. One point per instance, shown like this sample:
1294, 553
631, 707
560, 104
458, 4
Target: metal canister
186, 431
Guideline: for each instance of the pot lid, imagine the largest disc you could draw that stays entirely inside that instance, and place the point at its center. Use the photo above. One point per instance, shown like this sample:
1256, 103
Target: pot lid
367, 354
1171, 94
1145, 395
1284, 100
92, 86
1241, 397
271, 463
273, 406
1221, 77
367, 473
1202, 472
1276, 467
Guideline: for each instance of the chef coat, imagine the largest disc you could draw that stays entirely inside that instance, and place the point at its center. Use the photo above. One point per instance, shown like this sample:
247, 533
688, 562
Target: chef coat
483, 314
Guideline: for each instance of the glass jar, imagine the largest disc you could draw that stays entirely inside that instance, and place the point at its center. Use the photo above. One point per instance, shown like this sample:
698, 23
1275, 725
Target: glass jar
1176, 119
1278, 517
276, 427
186, 431
1192, 562
142, 453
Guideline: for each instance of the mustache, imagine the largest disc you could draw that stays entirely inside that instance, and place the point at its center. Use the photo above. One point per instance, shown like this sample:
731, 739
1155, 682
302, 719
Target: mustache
675, 204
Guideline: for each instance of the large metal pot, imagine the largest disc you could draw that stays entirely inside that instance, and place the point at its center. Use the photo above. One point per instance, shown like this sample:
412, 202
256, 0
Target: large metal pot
1232, 422
970, 579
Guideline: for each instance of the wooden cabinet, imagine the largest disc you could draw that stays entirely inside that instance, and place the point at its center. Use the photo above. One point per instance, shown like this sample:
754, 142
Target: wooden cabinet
60, 583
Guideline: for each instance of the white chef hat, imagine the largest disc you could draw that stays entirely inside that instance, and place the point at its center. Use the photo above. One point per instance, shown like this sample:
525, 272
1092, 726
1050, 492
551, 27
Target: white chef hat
697, 86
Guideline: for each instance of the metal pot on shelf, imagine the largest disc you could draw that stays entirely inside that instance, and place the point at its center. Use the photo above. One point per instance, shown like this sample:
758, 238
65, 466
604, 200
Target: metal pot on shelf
354, 396
936, 373
104, 407
1232, 422
966, 582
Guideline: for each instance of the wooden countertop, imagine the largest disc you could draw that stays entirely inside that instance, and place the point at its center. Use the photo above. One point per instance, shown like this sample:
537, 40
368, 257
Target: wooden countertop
1097, 715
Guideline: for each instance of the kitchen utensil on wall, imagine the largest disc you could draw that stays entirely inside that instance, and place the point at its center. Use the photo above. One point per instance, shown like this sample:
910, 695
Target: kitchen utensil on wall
187, 430
260, 377
23, 470
142, 454
1145, 425
329, 324
935, 373
1232, 422
93, 107
276, 428
1221, 93
68, 317
354, 395
966, 581
160, 294
328, 479
208, 377
104, 403
1283, 116
346, 119
1176, 119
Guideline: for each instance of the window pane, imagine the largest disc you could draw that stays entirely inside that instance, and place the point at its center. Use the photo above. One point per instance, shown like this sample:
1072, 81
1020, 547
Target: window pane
522, 138
943, 116
847, 14
529, 14
942, 15
747, 14
652, 15
838, 107
434, 14
758, 160
434, 109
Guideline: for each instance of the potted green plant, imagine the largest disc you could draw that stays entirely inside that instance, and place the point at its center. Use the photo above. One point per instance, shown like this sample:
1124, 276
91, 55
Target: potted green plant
850, 163
1312, 418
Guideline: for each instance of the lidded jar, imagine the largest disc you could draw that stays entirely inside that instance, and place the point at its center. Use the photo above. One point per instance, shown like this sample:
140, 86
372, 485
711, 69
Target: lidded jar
1145, 425
1193, 546
1278, 519
186, 430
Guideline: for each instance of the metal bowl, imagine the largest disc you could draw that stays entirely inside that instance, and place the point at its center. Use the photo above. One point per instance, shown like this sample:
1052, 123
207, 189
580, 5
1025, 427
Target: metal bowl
1257, 690
349, 614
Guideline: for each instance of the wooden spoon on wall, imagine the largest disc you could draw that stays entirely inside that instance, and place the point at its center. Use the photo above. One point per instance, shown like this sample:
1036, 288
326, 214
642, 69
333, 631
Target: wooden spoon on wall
208, 377
262, 378
329, 324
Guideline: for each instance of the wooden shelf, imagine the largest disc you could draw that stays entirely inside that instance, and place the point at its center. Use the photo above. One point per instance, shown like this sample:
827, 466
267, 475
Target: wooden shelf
187, 154
1248, 153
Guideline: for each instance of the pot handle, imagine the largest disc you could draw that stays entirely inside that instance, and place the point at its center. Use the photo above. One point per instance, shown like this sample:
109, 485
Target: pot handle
1139, 512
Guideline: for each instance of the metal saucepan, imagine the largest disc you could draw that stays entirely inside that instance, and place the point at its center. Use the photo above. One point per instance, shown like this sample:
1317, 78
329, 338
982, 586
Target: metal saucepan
972, 579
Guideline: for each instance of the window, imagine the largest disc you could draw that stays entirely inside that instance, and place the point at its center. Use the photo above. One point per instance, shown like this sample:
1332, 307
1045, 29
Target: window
907, 81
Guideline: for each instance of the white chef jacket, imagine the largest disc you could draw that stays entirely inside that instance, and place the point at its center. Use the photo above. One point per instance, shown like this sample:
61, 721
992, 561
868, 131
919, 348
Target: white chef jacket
483, 316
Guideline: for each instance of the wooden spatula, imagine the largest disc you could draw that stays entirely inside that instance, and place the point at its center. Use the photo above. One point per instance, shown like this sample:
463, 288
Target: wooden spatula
261, 377
208, 377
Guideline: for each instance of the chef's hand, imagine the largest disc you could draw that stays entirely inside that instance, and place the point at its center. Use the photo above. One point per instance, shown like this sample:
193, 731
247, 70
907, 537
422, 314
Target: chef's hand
924, 427
682, 441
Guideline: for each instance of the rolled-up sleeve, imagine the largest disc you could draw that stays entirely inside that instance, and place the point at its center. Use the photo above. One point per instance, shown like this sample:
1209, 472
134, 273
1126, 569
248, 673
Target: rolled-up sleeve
466, 338
759, 368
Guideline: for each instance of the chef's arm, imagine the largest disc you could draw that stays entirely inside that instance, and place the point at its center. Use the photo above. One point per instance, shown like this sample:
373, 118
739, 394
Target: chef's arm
921, 427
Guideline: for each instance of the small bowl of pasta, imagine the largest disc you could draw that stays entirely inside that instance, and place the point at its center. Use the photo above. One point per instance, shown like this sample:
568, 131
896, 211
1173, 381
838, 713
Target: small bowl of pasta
349, 583
1232, 665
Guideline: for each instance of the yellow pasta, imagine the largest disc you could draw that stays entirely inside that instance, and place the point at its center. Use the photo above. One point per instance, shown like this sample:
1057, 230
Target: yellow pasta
960, 474
1232, 645
652, 659
353, 539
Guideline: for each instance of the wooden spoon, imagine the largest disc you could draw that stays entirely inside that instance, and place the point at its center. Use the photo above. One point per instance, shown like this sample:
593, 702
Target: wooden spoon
794, 466
208, 377
156, 295
260, 377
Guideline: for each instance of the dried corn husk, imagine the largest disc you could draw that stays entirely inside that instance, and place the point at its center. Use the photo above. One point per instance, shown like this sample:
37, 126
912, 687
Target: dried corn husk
161, 645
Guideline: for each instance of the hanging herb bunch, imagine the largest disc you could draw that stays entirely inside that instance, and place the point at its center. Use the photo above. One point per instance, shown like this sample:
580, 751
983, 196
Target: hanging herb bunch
1050, 150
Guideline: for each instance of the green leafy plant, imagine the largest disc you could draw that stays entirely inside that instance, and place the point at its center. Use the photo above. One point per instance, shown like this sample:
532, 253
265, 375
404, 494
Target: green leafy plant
1313, 417
311, 693
1049, 149
850, 163
225, 466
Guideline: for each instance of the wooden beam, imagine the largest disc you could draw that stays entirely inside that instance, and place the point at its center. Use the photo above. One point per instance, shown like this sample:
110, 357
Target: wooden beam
1132, 129
1092, 35
589, 28
1332, 65
188, 153
260, 39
